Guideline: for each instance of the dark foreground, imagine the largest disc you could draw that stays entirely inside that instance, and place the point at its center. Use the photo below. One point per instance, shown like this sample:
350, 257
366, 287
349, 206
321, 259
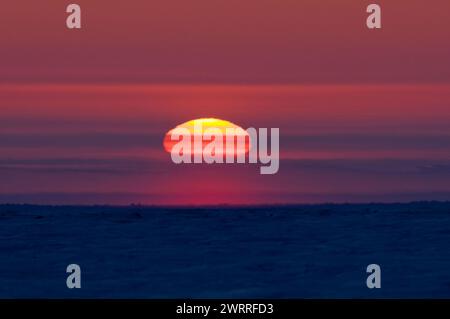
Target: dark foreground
267, 252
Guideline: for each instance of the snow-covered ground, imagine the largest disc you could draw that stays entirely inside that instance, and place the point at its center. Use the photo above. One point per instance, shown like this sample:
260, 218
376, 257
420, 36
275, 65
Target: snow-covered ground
316, 251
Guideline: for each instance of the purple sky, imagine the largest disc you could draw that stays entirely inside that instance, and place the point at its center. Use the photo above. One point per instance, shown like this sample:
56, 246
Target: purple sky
363, 114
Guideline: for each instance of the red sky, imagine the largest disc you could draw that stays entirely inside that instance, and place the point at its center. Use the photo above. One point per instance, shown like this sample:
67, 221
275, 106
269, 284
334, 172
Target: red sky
274, 41
363, 114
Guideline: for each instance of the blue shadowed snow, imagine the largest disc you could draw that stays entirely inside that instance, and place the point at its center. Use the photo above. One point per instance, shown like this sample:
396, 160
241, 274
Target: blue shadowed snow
319, 251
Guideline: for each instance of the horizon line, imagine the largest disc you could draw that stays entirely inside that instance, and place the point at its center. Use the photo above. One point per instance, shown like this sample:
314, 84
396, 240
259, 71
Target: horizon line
222, 205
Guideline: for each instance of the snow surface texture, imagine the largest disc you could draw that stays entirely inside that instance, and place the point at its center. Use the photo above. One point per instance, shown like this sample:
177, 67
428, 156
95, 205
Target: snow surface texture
319, 251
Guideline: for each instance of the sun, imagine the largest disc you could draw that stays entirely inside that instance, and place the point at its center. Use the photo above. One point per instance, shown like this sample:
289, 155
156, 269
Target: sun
201, 132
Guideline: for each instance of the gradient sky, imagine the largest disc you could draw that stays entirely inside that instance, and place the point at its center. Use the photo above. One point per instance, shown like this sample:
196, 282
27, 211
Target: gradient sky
363, 114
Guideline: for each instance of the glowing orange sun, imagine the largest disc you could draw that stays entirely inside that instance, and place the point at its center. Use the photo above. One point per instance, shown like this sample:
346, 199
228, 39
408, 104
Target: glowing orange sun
221, 137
